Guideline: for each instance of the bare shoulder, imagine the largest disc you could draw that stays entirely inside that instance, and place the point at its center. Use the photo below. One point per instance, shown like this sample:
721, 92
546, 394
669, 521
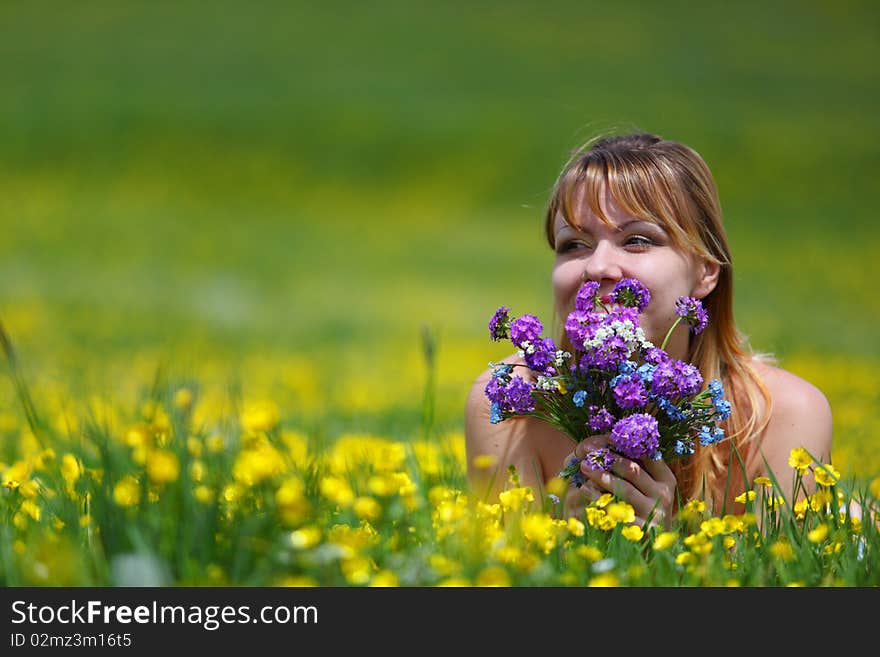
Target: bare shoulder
793, 394
801, 415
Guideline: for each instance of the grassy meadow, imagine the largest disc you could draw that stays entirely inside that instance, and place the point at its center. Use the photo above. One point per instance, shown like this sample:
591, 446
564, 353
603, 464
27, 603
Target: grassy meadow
229, 235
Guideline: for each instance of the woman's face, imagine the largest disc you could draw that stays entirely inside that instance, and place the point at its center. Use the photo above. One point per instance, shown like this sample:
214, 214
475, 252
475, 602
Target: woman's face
629, 248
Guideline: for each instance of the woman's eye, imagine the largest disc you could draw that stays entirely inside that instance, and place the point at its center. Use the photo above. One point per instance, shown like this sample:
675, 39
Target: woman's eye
565, 247
639, 241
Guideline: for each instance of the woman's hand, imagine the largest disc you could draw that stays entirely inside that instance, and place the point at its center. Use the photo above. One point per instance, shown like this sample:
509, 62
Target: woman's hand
577, 498
646, 485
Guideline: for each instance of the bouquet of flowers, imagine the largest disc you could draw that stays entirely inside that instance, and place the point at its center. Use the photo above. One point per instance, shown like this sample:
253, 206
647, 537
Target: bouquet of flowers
616, 381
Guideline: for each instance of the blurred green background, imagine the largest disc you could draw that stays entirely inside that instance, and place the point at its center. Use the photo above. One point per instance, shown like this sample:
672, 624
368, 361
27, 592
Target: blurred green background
308, 186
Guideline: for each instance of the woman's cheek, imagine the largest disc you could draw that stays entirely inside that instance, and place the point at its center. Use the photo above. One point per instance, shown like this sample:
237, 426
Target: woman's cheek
567, 278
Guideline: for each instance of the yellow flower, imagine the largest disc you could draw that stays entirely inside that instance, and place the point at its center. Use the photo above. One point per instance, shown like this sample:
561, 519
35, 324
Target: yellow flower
818, 534
538, 528
15, 474
493, 576
763, 481
589, 552
685, 559
257, 464
621, 512
515, 498
162, 466
699, 543
454, 582
820, 499
215, 443
575, 527
782, 549
713, 526
734, 523
384, 578
337, 490
139, 436
260, 416
557, 486
633, 533
194, 446
799, 459
30, 508
305, 537
366, 508
127, 492
833, 548
693, 509
665, 540
29, 489
748, 496
875, 488
604, 500
357, 570
71, 470
826, 475
183, 398
203, 494
292, 501
607, 580
484, 461
598, 518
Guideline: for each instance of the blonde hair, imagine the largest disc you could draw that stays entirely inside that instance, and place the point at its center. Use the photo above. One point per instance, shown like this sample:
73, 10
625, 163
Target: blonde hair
669, 184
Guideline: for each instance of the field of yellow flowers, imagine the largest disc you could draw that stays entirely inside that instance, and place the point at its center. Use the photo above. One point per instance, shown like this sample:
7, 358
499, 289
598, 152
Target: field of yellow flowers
174, 482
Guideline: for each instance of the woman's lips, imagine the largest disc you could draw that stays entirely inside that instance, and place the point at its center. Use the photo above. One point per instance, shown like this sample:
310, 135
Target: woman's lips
606, 299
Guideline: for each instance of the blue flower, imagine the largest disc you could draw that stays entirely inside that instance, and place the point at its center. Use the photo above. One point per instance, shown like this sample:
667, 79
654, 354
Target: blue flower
710, 435
579, 398
495, 416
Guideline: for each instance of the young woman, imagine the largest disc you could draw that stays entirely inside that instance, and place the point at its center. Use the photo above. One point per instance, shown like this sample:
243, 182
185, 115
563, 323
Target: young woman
638, 206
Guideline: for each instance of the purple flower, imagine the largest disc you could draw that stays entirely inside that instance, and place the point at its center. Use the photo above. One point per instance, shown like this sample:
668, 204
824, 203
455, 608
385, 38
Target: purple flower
636, 436
655, 356
676, 378
519, 396
496, 390
585, 300
601, 420
608, 355
540, 356
526, 328
622, 314
632, 293
513, 396
580, 326
499, 325
600, 459
692, 311
629, 392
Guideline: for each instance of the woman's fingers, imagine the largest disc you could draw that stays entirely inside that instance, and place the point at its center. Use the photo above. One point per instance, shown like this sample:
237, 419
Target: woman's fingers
659, 471
578, 498
589, 444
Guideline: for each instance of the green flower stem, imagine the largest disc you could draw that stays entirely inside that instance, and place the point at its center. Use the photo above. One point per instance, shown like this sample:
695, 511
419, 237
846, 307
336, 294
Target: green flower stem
669, 333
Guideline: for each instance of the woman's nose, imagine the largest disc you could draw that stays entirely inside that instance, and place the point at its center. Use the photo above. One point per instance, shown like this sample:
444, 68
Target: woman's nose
602, 264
